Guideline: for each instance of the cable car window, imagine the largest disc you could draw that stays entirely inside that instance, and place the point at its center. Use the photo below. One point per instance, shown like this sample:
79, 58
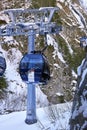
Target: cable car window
35, 63
24, 65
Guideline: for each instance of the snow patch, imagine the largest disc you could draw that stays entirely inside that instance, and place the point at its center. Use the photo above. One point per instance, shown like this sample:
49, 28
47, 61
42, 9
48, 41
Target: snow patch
84, 3
41, 98
61, 1
83, 77
68, 45
60, 7
9, 40
4, 17
83, 109
80, 68
78, 16
74, 74
52, 118
56, 66
51, 41
75, 114
59, 94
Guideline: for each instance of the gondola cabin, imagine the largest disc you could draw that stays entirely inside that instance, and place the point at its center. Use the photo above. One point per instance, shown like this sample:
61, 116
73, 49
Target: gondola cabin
34, 68
2, 64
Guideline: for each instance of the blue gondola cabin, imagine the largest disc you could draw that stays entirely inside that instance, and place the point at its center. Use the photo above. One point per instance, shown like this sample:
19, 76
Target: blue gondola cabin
34, 68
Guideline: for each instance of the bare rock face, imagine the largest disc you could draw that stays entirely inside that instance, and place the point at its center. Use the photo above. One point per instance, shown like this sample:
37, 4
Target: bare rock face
60, 82
78, 119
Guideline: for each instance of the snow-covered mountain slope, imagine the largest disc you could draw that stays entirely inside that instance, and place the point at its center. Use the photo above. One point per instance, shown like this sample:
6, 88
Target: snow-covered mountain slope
79, 109
84, 4
64, 55
51, 118
15, 96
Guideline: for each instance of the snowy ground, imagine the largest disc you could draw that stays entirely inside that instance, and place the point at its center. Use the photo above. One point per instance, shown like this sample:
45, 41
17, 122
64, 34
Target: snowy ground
49, 118
84, 3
